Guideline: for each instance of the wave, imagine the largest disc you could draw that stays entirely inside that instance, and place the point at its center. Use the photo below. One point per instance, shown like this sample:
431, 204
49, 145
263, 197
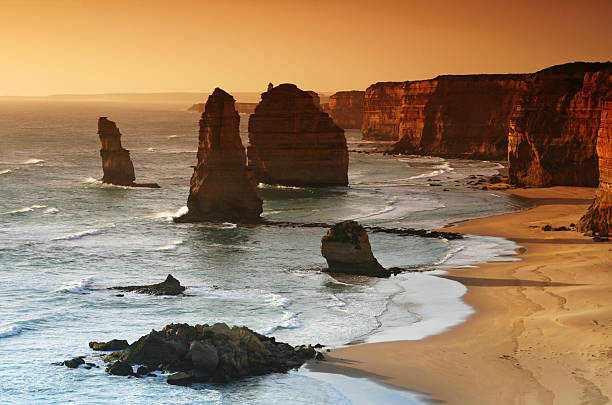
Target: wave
33, 161
151, 150
289, 321
12, 331
171, 246
228, 225
392, 206
278, 300
76, 287
449, 255
79, 235
26, 209
168, 216
438, 170
51, 210
5, 171
91, 180
278, 186
172, 136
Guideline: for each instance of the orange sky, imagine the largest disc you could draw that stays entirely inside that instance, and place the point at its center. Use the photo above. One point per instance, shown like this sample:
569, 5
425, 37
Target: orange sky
90, 46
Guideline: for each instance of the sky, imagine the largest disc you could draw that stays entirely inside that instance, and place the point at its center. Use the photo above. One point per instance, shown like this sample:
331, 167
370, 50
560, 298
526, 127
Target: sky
91, 46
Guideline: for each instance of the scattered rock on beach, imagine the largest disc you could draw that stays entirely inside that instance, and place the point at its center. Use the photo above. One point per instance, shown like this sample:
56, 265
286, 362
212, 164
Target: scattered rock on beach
170, 286
347, 249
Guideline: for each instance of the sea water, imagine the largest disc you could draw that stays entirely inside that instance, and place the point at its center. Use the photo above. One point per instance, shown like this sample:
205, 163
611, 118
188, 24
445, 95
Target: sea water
65, 237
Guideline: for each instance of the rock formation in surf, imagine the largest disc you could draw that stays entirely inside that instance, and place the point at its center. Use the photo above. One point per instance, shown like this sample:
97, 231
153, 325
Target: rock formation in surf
451, 116
170, 286
598, 218
346, 108
116, 163
222, 187
347, 249
553, 131
294, 143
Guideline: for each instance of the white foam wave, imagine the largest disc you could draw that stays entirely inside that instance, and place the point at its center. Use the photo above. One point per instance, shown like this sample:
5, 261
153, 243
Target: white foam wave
277, 186
26, 209
79, 235
172, 136
171, 246
76, 287
168, 216
439, 169
151, 150
279, 301
5, 171
289, 321
449, 255
12, 331
91, 180
33, 161
51, 210
228, 225
392, 205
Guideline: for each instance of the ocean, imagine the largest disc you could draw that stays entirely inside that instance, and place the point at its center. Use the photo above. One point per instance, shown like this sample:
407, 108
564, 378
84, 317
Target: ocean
65, 238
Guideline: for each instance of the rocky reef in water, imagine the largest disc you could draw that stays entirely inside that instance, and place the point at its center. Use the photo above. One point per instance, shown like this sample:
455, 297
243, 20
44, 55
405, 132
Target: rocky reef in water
222, 187
598, 218
451, 116
347, 249
116, 162
203, 353
293, 143
170, 286
346, 108
553, 131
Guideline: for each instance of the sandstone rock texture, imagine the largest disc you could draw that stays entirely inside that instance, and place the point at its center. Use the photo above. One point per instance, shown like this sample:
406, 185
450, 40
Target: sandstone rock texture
204, 353
598, 218
346, 108
116, 163
347, 249
553, 129
451, 116
293, 143
222, 187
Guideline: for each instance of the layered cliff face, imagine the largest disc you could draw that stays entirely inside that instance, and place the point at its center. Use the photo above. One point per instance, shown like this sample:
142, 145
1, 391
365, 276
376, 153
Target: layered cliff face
222, 188
382, 105
346, 108
553, 129
116, 163
293, 143
599, 215
453, 116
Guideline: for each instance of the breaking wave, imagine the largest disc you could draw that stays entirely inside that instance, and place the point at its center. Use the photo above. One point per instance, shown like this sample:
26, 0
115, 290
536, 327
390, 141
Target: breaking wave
172, 246
26, 209
438, 170
5, 171
79, 235
76, 287
12, 331
33, 161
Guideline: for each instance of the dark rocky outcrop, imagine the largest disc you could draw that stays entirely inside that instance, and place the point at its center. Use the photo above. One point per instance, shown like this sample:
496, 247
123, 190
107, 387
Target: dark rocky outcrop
170, 286
293, 143
598, 218
203, 353
116, 163
111, 345
222, 187
73, 363
347, 249
242, 108
553, 129
346, 108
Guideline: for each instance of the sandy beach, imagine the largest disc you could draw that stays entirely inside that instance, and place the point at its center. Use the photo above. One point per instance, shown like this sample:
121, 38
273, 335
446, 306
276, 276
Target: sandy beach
542, 332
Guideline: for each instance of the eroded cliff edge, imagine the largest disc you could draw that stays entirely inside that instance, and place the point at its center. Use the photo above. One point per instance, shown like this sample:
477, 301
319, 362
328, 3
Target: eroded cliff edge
293, 143
553, 130
346, 108
222, 187
598, 218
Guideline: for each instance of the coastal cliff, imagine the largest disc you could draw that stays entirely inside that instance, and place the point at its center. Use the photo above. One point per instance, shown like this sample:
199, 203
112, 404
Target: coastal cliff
346, 108
553, 129
599, 215
452, 116
222, 188
116, 163
293, 143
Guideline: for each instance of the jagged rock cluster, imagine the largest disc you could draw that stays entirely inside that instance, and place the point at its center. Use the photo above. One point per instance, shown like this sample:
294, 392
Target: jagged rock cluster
346, 108
116, 163
170, 286
598, 218
222, 187
347, 249
553, 130
293, 143
204, 353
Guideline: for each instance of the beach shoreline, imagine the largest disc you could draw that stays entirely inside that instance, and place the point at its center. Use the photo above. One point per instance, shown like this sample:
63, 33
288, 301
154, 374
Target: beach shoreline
542, 331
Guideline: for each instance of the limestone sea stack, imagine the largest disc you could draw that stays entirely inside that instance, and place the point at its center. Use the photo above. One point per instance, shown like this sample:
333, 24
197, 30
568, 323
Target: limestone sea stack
116, 163
346, 108
222, 187
347, 249
293, 143
598, 218
553, 130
